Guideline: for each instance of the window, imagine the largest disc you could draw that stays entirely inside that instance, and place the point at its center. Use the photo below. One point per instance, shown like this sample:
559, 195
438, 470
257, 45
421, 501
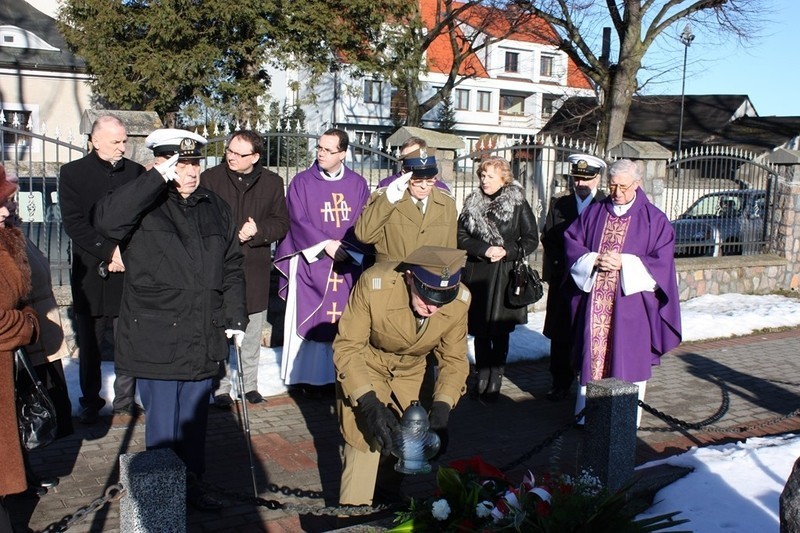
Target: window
461, 101
546, 66
511, 104
18, 120
548, 105
484, 101
372, 91
512, 62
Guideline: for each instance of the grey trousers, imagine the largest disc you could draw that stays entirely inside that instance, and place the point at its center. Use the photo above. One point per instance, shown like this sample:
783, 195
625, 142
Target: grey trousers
251, 349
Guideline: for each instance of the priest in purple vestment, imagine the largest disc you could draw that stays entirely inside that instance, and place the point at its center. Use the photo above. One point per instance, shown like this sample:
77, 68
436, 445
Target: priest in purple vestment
625, 308
319, 259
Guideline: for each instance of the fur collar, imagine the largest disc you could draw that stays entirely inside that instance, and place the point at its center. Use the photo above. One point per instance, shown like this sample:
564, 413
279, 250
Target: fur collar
481, 214
12, 241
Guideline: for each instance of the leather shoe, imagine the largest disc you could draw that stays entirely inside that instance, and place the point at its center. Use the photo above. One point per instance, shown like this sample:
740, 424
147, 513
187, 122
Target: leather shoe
555, 394
88, 415
132, 410
223, 401
254, 397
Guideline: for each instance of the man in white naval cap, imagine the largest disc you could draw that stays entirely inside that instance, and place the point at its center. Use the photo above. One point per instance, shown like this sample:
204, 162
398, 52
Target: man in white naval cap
184, 293
584, 177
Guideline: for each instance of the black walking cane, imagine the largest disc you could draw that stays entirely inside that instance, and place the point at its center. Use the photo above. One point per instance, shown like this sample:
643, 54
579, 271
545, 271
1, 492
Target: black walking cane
238, 351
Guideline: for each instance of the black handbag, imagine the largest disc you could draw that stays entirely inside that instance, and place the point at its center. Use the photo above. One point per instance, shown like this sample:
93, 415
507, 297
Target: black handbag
36, 413
524, 284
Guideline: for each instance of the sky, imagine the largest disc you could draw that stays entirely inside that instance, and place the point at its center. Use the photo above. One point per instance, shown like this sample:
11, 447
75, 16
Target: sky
765, 68
734, 488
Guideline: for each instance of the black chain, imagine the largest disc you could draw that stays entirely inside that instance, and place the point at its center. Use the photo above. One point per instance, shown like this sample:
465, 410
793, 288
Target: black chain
723, 408
342, 510
544, 444
707, 427
111, 494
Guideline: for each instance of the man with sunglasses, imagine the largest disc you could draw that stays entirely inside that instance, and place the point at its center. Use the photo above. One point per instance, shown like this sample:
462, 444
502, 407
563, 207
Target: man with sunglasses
584, 177
256, 198
625, 308
397, 314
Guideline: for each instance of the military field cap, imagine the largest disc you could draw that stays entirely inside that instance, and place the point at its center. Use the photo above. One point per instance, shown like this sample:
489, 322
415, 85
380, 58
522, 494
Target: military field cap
167, 142
420, 164
436, 272
585, 166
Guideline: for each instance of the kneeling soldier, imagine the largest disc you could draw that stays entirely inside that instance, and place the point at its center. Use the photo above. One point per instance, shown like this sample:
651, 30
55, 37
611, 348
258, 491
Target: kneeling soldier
396, 315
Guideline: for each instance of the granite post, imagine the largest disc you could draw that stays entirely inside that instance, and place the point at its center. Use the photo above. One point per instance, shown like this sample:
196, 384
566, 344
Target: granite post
155, 492
609, 443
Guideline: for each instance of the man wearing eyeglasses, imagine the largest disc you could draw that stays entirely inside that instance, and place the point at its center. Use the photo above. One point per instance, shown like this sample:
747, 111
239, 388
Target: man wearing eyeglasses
584, 177
320, 259
625, 307
256, 198
410, 212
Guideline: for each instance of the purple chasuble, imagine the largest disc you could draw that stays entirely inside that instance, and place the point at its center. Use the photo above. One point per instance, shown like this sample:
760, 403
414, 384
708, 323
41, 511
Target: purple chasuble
320, 210
616, 335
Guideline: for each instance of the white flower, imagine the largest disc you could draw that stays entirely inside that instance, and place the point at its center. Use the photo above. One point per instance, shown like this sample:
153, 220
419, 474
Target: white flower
440, 509
484, 509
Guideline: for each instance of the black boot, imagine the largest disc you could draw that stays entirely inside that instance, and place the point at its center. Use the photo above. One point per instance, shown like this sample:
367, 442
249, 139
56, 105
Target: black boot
492, 393
482, 382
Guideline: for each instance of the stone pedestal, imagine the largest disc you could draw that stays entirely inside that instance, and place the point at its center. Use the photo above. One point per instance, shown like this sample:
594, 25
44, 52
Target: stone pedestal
609, 448
155, 497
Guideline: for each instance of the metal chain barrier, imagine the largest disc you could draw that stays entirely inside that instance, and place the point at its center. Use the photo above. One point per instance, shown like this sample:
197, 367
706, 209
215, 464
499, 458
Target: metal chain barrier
544, 444
343, 510
707, 425
112, 494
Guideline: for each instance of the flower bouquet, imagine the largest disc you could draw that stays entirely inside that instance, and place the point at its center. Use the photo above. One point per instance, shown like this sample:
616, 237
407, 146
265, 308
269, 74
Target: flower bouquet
473, 495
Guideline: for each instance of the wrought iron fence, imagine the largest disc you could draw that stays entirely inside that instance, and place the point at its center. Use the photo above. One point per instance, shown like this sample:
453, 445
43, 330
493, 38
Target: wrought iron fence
721, 202
35, 160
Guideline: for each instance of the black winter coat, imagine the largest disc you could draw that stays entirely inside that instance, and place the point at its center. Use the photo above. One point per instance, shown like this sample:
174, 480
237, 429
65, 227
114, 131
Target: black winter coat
505, 220
184, 283
81, 184
265, 201
562, 211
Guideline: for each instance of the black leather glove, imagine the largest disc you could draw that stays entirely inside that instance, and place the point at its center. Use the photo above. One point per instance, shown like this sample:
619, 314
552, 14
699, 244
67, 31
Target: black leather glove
341, 254
438, 417
380, 421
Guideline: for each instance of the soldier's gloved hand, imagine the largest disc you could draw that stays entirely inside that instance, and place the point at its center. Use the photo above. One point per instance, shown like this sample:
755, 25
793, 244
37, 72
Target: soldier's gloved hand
396, 189
380, 421
237, 335
167, 168
438, 417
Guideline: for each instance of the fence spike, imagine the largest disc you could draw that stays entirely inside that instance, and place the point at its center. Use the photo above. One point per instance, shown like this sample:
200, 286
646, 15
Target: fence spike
247, 126
70, 136
15, 121
58, 132
43, 128
2, 117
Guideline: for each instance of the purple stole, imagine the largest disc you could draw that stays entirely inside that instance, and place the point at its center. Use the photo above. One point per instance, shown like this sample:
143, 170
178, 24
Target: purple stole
601, 314
321, 210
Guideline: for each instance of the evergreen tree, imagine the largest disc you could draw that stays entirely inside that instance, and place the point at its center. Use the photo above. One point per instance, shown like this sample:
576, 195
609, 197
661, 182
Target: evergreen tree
446, 116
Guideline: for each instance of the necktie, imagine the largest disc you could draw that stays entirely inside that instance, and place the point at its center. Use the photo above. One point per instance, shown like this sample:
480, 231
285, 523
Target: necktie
420, 207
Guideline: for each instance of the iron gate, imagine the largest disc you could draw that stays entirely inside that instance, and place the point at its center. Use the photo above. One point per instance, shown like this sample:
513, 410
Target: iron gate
721, 202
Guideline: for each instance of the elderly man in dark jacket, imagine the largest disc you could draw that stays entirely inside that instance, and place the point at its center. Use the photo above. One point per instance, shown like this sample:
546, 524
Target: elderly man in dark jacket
184, 293
256, 198
96, 291
584, 176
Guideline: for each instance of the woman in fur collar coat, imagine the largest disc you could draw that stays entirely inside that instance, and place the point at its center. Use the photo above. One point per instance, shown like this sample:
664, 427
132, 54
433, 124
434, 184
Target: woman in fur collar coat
18, 327
496, 227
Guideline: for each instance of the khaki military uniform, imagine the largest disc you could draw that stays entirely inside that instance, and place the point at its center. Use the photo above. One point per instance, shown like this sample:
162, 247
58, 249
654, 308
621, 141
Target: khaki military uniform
398, 229
379, 348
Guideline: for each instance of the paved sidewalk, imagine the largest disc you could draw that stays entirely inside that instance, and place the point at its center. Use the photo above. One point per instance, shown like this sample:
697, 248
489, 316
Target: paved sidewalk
296, 439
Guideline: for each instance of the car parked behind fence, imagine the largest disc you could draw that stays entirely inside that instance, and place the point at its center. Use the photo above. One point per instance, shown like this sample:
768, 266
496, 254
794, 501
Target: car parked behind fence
722, 223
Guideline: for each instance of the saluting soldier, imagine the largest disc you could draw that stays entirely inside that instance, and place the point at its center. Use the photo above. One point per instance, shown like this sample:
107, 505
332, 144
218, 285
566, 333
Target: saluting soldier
397, 314
410, 212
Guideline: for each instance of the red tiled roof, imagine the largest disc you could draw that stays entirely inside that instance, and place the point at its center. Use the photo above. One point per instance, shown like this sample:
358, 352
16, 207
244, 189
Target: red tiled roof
534, 30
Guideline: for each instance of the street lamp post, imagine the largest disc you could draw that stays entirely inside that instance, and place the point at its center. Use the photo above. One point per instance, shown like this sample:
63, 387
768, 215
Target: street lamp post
686, 39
